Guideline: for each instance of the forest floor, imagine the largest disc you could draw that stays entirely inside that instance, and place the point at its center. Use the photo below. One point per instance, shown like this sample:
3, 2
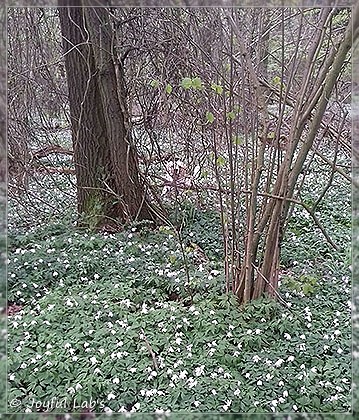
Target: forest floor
137, 321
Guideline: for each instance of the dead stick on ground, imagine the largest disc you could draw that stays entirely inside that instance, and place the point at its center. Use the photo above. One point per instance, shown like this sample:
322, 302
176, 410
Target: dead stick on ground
282, 301
149, 348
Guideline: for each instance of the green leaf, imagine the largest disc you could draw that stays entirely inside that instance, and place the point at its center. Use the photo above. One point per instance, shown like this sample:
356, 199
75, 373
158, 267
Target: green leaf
209, 117
220, 161
303, 401
276, 80
237, 109
271, 135
196, 83
316, 402
217, 88
231, 115
186, 83
308, 289
168, 88
237, 140
155, 83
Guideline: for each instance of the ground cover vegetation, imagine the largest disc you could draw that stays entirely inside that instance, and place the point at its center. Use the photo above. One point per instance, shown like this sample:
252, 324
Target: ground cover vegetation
126, 293
179, 242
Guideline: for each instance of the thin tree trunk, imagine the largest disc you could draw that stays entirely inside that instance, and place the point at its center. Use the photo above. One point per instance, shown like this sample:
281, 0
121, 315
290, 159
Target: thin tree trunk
269, 269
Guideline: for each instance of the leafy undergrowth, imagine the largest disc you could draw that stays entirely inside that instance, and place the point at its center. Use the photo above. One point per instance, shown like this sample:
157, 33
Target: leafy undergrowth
113, 323
138, 322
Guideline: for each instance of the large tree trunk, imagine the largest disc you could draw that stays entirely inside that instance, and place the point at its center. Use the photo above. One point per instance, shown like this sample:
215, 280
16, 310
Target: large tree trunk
108, 185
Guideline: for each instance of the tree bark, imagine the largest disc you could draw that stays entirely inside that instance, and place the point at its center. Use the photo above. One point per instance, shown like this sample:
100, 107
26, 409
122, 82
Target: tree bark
108, 184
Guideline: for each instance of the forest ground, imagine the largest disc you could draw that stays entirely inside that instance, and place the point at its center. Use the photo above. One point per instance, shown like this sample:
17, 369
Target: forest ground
148, 327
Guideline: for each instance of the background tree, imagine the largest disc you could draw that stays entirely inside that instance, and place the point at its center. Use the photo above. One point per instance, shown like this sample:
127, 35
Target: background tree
37, 102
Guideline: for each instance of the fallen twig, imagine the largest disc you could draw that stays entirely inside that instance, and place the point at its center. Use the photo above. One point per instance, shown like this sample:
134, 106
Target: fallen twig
149, 348
281, 300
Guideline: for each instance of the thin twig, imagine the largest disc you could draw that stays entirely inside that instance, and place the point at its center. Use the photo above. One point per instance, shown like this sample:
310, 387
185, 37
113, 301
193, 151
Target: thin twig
321, 227
269, 284
149, 348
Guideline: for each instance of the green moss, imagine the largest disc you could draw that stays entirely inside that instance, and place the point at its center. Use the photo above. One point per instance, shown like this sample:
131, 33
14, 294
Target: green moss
93, 211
